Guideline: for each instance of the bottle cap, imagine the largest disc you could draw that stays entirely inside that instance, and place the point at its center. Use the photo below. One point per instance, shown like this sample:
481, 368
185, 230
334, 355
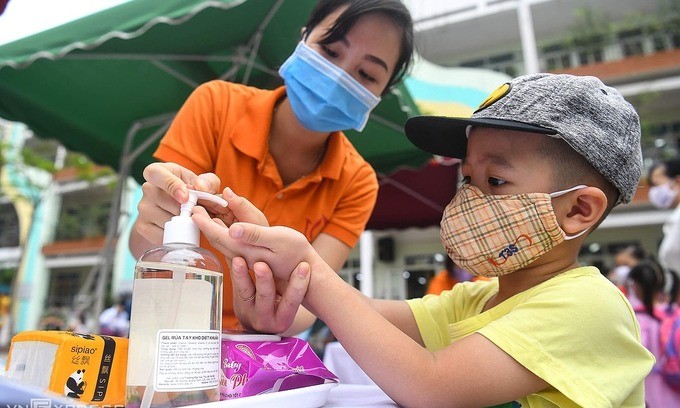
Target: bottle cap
181, 229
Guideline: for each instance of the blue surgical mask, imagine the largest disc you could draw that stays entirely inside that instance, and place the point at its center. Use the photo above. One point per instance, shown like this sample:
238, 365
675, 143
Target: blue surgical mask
323, 96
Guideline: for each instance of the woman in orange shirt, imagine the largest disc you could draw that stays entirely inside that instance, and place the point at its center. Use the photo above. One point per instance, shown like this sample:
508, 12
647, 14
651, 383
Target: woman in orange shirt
284, 150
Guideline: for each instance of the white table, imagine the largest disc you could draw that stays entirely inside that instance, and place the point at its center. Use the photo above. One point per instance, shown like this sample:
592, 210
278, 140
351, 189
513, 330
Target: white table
339, 362
340, 396
329, 396
353, 395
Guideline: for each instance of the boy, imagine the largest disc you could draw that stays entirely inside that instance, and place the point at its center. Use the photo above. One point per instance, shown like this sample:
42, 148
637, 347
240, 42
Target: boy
545, 158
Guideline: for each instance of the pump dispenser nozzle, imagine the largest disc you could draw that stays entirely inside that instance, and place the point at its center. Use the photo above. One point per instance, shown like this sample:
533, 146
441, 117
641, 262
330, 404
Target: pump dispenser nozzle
181, 229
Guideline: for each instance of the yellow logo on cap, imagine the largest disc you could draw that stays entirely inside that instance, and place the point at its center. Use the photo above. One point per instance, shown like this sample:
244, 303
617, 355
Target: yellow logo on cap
497, 94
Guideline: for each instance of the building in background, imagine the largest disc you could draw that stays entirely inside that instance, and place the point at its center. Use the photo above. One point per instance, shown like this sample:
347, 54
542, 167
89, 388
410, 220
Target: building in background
53, 218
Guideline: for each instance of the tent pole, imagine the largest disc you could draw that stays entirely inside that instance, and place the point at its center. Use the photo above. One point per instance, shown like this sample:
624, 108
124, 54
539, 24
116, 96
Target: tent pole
112, 228
423, 199
127, 158
256, 39
166, 120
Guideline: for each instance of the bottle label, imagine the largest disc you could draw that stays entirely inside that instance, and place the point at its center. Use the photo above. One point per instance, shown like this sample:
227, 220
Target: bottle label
187, 360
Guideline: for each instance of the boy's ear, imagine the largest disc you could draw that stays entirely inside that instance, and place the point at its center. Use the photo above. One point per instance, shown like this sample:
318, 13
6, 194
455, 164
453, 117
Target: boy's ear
583, 210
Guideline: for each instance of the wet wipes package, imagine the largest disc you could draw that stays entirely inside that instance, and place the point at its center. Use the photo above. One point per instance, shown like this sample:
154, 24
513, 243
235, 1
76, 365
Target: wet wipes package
254, 364
86, 367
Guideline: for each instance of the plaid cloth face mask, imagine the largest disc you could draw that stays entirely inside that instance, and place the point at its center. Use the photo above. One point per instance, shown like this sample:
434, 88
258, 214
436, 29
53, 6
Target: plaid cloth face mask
493, 235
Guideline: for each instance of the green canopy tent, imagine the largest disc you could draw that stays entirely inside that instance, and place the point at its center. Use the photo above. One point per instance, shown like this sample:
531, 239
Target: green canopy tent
88, 82
109, 84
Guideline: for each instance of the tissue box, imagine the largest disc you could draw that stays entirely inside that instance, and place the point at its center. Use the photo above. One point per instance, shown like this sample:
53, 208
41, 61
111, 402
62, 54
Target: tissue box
254, 364
87, 367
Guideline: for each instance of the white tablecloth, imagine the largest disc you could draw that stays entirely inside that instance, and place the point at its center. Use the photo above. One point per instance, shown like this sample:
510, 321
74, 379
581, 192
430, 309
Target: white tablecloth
353, 395
341, 396
336, 359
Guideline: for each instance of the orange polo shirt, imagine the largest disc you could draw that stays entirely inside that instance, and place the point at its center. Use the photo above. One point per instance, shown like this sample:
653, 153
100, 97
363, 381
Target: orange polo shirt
223, 128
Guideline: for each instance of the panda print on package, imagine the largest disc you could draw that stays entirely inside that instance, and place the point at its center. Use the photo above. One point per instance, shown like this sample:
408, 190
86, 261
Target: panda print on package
75, 386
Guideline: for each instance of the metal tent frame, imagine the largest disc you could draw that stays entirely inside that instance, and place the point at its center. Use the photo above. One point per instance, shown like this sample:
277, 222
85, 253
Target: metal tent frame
99, 276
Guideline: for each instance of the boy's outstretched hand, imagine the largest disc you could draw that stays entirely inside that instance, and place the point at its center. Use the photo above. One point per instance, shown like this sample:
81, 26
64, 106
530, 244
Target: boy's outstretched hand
279, 258
281, 248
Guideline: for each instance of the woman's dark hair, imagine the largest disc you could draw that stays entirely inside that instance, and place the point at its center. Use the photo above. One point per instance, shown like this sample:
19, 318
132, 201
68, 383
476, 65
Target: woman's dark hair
394, 9
652, 169
671, 169
450, 266
649, 277
636, 251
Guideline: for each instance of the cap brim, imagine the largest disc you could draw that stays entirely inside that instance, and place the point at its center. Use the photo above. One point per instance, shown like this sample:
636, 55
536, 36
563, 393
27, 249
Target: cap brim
445, 136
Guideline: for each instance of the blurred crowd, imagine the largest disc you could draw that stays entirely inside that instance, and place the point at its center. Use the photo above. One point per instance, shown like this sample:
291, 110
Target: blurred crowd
113, 321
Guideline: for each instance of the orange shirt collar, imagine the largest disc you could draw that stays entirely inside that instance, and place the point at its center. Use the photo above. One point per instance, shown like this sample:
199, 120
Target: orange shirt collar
251, 132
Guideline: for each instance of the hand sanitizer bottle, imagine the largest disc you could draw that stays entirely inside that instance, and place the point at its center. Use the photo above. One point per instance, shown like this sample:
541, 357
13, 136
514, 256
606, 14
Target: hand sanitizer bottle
176, 319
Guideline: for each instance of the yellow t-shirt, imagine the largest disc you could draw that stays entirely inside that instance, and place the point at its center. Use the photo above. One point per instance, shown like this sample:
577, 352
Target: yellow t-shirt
576, 331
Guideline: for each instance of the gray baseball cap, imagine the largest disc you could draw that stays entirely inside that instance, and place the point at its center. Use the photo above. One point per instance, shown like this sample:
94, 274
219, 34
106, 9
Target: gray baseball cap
591, 117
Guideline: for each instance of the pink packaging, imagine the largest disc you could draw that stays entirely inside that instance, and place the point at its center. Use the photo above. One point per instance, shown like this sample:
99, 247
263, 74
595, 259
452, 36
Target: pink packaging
254, 364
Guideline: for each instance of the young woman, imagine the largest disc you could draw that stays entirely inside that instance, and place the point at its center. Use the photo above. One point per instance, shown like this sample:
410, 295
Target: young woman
664, 193
284, 150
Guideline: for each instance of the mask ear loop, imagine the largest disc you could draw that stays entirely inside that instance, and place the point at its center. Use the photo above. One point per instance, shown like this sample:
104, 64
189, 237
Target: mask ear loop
569, 190
570, 237
561, 193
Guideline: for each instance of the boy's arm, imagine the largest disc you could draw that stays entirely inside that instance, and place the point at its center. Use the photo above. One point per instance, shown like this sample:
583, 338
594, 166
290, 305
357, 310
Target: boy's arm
331, 249
470, 372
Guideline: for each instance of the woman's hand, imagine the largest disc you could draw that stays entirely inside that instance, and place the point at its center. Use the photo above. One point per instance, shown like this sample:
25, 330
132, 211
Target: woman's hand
259, 305
166, 187
238, 210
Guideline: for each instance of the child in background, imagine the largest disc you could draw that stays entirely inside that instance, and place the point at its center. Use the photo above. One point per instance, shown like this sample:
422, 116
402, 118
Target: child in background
646, 282
545, 158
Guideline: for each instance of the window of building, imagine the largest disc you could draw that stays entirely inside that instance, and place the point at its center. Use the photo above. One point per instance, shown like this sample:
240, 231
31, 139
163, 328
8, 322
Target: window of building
65, 284
84, 214
591, 55
506, 62
659, 42
417, 273
661, 141
556, 56
9, 226
473, 64
671, 30
632, 42
351, 272
675, 38
40, 152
